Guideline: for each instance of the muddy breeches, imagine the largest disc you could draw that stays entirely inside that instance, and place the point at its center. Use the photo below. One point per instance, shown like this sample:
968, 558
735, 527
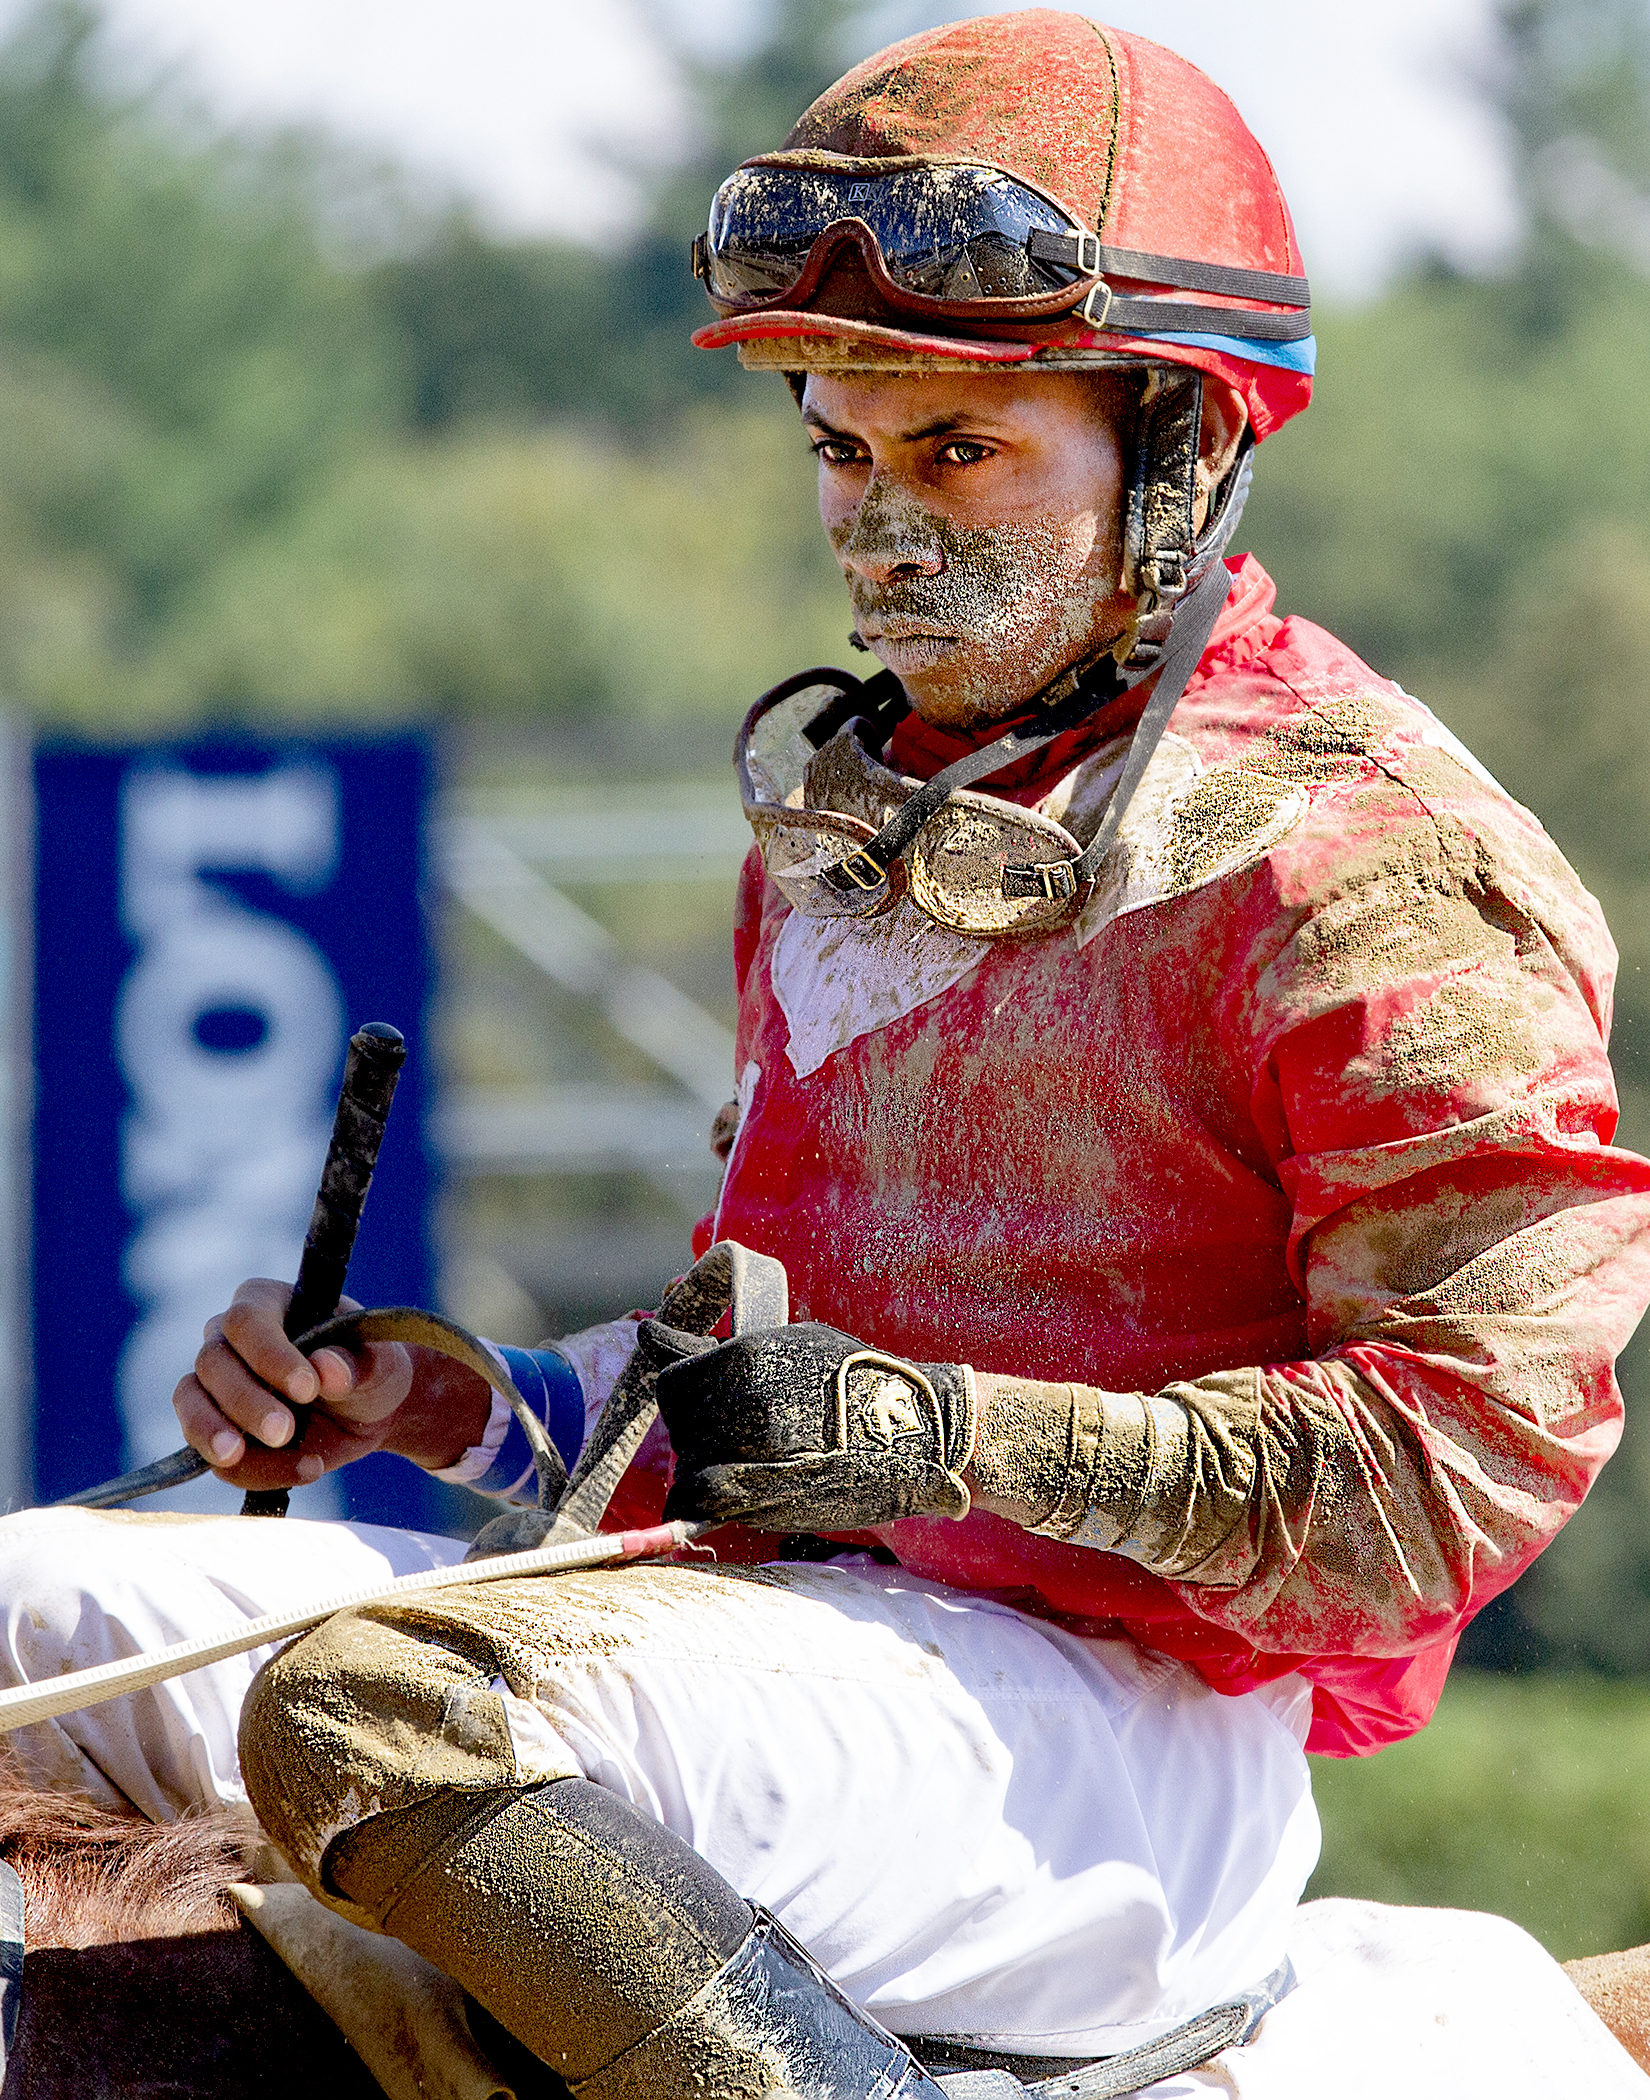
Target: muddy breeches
982, 1825
601, 1941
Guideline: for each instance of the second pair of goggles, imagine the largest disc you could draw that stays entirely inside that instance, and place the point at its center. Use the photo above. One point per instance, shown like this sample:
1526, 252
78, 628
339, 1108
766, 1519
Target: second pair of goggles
844, 837
961, 239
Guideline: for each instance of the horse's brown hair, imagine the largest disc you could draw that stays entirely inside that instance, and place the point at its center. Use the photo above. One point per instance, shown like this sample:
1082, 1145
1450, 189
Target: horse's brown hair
91, 1877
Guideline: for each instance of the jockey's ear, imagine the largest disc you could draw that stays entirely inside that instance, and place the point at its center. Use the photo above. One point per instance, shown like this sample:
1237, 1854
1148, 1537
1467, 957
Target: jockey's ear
1225, 419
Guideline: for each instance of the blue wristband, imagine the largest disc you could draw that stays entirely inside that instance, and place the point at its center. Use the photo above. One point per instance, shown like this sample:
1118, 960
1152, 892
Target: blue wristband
550, 1386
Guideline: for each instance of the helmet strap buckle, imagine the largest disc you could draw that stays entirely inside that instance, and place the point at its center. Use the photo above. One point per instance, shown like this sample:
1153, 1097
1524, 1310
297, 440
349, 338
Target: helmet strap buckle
1164, 574
1087, 309
860, 870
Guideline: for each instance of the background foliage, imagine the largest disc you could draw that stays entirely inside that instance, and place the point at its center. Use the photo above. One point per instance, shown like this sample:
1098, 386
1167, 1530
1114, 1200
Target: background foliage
1529, 1797
275, 440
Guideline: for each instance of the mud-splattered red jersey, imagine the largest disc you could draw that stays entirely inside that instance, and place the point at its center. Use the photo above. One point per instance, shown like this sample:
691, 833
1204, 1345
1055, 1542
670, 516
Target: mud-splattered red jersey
1314, 1092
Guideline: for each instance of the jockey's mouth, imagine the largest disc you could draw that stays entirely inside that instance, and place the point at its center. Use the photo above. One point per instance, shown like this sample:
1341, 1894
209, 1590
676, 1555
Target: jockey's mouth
905, 648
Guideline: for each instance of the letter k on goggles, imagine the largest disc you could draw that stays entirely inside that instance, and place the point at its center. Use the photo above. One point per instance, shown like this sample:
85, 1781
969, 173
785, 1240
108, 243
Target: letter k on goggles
965, 240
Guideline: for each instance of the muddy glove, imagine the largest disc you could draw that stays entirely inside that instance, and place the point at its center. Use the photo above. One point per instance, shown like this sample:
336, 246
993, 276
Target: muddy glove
806, 1429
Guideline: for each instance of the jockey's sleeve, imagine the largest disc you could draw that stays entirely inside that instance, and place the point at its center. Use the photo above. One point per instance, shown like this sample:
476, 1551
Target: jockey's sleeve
501, 1465
1431, 1084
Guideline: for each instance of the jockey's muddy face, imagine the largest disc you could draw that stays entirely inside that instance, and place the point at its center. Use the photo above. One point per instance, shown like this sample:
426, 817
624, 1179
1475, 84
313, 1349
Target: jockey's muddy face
977, 519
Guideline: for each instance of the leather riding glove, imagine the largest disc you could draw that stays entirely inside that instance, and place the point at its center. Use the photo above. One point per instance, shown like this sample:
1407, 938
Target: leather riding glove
805, 1428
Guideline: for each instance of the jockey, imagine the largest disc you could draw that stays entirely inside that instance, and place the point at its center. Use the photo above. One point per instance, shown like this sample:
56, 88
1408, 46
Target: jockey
1173, 1074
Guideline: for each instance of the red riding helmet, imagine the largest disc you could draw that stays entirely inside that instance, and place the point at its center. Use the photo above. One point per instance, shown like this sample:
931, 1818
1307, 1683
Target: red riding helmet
1032, 189
1039, 192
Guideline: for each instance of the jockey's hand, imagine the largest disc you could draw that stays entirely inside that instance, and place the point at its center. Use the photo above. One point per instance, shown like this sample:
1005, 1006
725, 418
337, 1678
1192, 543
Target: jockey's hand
262, 1415
806, 1429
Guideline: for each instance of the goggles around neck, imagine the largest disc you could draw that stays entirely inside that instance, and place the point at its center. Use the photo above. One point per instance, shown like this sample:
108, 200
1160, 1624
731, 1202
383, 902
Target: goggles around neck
962, 240
845, 837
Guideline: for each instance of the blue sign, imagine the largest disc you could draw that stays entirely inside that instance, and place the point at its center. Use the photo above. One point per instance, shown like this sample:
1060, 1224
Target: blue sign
212, 920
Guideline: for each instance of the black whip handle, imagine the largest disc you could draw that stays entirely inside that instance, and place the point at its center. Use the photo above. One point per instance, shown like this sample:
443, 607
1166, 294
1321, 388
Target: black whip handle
372, 1066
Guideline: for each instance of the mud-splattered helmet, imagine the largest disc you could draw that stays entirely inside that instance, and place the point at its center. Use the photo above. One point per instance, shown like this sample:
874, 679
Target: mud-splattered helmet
1034, 191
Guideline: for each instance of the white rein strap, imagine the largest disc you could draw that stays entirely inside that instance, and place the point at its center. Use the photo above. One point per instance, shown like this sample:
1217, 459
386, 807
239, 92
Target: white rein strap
64, 1695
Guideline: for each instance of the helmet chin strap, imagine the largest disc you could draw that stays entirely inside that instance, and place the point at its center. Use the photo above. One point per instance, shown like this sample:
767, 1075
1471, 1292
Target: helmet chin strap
1162, 492
1164, 557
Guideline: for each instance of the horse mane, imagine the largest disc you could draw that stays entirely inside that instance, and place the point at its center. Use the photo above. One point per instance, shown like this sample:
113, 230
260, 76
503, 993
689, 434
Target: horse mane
91, 1876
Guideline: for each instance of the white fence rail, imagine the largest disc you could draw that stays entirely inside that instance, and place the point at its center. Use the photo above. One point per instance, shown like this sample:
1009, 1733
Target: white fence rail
499, 866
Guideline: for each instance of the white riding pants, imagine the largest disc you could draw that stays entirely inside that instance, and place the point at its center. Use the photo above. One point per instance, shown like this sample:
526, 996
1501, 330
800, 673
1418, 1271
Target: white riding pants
80, 1586
980, 1823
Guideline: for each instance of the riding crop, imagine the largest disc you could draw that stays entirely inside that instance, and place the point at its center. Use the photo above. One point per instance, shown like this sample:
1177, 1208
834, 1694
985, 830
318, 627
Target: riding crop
372, 1065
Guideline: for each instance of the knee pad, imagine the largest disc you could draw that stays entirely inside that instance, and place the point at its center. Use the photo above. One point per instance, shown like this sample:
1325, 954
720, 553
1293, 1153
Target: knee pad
365, 1717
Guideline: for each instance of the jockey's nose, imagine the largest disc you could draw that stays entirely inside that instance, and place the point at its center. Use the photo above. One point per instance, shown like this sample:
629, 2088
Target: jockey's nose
893, 535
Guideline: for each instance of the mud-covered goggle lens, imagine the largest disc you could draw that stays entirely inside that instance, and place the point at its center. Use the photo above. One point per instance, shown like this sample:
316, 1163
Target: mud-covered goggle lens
955, 233
952, 871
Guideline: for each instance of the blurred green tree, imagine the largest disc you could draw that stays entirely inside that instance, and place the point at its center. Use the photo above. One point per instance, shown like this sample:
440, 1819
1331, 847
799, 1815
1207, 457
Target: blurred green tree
183, 357
1574, 85
553, 328
1466, 429
553, 576
202, 375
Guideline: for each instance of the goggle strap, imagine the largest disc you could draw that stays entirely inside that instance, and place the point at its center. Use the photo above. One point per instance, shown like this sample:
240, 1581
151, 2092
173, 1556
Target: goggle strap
896, 835
1082, 252
1194, 623
1155, 317
881, 700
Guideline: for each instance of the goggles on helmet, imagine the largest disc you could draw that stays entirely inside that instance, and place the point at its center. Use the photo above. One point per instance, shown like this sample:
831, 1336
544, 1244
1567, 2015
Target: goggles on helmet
957, 236
963, 240
844, 837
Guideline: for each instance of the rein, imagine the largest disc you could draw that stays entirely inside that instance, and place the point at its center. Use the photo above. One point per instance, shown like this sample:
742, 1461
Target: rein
559, 1535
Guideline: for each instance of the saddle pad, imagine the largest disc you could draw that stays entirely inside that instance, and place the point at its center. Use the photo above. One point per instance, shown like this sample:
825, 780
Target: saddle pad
1426, 2004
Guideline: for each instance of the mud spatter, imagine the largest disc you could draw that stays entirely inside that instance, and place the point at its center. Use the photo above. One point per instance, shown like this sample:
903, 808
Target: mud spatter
1022, 600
